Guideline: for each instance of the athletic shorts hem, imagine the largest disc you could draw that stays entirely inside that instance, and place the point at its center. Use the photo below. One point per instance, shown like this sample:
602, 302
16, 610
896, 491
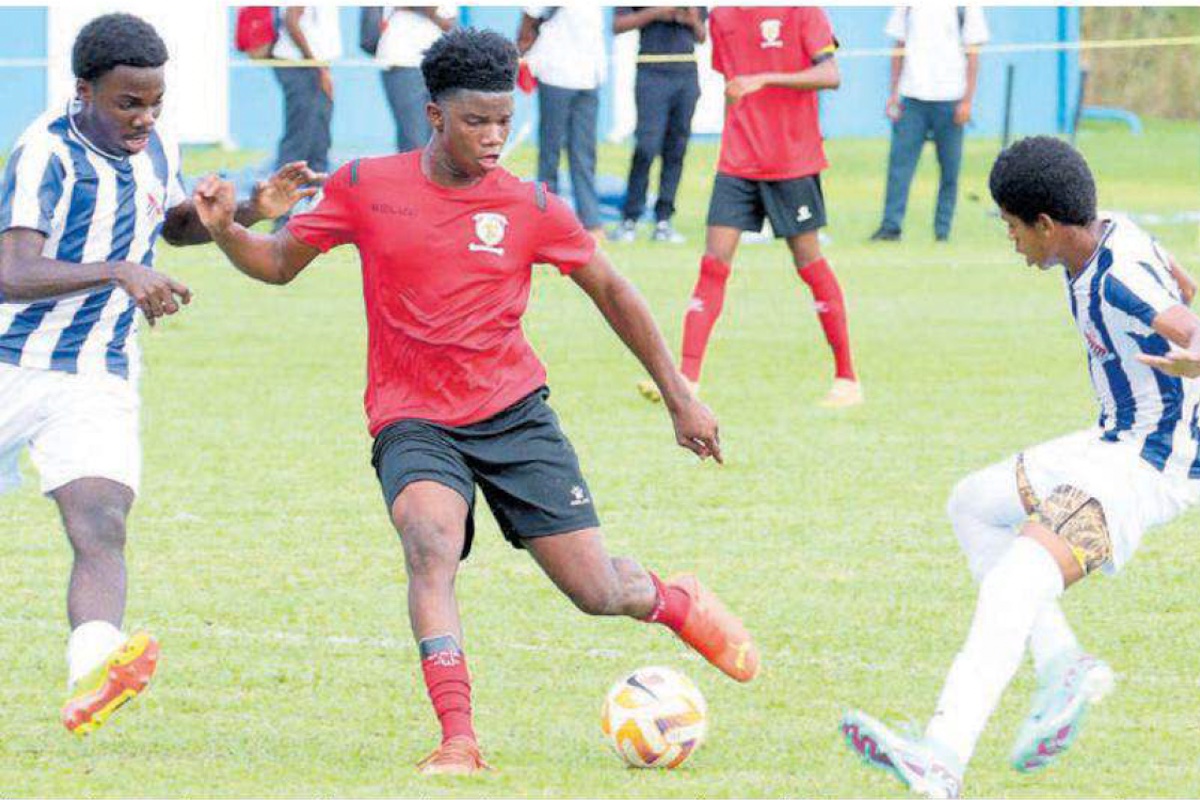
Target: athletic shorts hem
557, 530
409, 478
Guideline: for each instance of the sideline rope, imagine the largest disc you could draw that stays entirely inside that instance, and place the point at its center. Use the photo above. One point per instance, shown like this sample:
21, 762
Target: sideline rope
877, 52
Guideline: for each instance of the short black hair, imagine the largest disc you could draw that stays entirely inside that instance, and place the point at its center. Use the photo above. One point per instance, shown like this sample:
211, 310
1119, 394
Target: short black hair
115, 40
472, 59
1044, 175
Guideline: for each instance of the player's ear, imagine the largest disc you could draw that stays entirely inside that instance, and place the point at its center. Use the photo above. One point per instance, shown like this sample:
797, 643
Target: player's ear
83, 90
437, 119
1044, 224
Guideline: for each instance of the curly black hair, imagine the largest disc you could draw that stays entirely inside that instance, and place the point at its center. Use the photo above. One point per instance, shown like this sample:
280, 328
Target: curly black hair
1044, 175
115, 40
469, 58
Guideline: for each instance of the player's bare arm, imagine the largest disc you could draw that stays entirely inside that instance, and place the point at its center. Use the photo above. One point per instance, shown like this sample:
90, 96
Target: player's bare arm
270, 199
26, 275
823, 75
626, 312
1180, 326
271, 258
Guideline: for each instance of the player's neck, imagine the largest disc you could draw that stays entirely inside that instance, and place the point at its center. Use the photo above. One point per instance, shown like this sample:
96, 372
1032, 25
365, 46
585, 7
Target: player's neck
1079, 245
439, 168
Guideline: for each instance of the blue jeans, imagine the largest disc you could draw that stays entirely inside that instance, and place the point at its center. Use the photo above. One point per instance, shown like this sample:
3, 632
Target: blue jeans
920, 120
569, 116
666, 100
307, 117
407, 95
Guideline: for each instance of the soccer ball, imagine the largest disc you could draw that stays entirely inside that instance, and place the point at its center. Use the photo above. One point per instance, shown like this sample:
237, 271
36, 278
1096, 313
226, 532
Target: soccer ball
654, 717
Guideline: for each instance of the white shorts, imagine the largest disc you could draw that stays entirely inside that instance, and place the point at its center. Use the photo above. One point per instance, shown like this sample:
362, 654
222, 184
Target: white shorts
1134, 495
76, 426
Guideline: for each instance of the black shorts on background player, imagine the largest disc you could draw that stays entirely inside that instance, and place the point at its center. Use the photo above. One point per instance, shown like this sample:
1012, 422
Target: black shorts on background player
794, 206
520, 458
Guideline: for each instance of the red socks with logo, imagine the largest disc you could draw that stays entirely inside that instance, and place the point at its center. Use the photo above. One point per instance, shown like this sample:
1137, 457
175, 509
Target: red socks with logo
671, 605
449, 685
831, 311
707, 299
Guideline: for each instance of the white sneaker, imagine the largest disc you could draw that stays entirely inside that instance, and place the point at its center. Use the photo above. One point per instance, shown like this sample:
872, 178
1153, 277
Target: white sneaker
843, 394
625, 232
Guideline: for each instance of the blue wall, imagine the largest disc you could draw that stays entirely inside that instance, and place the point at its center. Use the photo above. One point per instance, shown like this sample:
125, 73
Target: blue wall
22, 35
1044, 93
1045, 85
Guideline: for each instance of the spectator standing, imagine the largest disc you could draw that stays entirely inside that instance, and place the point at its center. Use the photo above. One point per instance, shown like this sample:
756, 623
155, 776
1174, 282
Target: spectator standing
933, 85
308, 33
666, 91
408, 31
564, 48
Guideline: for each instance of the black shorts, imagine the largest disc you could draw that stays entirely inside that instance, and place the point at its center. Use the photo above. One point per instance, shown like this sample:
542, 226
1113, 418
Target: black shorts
520, 458
794, 206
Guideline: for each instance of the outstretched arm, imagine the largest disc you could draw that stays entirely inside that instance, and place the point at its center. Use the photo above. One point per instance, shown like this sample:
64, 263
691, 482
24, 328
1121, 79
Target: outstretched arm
270, 199
276, 258
626, 313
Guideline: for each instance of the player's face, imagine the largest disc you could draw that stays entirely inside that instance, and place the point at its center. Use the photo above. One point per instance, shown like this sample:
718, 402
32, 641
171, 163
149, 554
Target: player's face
121, 107
1031, 241
475, 126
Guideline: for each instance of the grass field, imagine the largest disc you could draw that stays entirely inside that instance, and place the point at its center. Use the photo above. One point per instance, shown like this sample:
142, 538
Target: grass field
261, 555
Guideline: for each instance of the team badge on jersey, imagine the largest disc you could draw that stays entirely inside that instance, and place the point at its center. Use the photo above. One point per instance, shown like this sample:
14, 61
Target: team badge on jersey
770, 28
489, 230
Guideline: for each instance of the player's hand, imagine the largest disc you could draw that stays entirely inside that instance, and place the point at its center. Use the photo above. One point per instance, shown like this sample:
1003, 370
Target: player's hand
216, 203
1179, 363
696, 429
894, 108
962, 112
1187, 284
326, 81
739, 87
290, 184
153, 292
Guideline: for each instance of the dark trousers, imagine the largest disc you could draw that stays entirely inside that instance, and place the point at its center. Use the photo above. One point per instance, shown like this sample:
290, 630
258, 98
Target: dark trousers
919, 120
568, 116
307, 115
407, 95
666, 101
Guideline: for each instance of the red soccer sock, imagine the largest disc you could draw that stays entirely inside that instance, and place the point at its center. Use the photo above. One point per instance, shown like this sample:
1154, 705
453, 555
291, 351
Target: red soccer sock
707, 299
831, 311
449, 685
671, 605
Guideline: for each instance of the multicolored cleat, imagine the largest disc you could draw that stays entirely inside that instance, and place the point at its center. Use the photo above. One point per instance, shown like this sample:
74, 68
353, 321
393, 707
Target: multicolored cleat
118, 679
844, 393
1069, 684
457, 756
715, 633
920, 764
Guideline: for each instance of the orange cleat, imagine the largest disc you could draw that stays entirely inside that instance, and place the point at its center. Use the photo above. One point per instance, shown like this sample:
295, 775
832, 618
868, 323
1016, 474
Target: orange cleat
121, 677
457, 756
715, 633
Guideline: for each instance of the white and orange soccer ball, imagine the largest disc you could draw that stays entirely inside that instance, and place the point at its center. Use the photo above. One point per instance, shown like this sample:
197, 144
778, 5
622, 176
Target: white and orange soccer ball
654, 717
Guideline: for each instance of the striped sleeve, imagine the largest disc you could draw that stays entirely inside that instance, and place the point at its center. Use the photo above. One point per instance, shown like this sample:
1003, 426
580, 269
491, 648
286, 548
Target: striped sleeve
32, 186
1141, 289
176, 194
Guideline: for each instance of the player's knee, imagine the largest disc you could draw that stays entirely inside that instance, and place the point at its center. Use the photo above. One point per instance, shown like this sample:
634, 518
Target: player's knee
431, 546
96, 530
964, 500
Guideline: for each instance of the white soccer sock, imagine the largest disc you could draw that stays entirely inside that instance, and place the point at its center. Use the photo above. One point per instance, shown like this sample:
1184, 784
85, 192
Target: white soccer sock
985, 510
1025, 580
89, 645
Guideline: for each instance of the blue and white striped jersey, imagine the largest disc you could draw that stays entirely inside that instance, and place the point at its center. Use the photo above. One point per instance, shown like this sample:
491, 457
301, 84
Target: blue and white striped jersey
92, 207
1122, 288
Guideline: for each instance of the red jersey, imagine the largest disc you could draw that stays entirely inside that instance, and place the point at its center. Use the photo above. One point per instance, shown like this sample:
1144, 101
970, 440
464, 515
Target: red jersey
774, 133
446, 279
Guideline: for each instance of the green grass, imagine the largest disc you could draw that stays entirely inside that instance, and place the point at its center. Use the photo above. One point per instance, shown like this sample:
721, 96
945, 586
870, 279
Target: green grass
261, 554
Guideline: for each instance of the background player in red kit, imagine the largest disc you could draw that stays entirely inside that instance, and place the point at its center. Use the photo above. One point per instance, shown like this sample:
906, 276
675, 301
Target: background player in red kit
774, 61
456, 397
